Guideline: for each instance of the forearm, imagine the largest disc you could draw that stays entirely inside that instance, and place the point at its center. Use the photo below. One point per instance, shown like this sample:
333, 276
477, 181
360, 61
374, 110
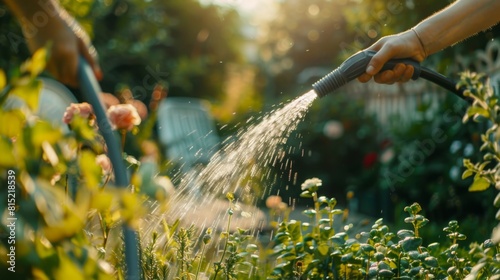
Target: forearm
457, 22
34, 10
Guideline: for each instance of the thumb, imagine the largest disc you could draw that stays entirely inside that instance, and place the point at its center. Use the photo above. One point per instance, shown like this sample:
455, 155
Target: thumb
378, 61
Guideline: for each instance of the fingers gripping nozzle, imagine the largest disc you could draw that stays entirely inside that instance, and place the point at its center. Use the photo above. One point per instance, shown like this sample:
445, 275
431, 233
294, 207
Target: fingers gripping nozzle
354, 67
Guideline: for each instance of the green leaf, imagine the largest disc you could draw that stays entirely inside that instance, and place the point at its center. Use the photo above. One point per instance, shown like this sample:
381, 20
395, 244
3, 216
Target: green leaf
67, 268
467, 174
294, 228
28, 90
12, 123
385, 273
90, 171
323, 249
306, 194
411, 243
3, 79
479, 184
309, 212
346, 257
37, 63
7, 159
431, 261
496, 201
367, 248
66, 227
82, 128
475, 111
45, 132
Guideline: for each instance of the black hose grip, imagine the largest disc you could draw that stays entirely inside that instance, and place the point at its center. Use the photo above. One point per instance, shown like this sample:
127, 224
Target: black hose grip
354, 67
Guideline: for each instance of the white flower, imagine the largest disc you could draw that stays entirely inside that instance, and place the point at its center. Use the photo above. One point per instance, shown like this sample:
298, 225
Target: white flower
387, 155
311, 183
246, 214
333, 129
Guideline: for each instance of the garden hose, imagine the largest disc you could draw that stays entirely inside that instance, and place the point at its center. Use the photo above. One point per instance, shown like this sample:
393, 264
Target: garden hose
355, 66
90, 91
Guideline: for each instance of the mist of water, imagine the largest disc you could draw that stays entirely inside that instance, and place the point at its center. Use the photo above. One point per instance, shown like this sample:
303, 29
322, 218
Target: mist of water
243, 160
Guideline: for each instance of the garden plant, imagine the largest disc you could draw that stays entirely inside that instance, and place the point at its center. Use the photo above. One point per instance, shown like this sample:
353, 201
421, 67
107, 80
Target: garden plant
52, 231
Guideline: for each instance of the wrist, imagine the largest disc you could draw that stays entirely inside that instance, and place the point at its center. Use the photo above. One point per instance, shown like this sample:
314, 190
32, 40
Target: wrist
420, 42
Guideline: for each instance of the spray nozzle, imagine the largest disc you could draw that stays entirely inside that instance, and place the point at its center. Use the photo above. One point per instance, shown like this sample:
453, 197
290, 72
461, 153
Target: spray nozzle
355, 66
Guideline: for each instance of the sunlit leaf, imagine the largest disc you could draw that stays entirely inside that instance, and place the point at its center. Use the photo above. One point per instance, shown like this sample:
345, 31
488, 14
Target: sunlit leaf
102, 200
479, 184
323, 249
467, 174
64, 228
288, 256
475, 111
7, 159
131, 208
3, 79
67, 269
29, 91
39, 274
12, 123
38, 62
89, 169
82, 128
43, 131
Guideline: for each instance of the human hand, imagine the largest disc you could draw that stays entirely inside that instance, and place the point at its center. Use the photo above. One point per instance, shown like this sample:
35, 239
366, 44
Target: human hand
68, 41
402, 45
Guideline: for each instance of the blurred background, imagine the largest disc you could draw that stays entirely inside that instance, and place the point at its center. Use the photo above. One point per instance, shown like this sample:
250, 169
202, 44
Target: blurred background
376, 148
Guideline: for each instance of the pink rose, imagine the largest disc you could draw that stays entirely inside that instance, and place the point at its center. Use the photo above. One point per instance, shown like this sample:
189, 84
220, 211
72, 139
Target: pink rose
82, 109
142, 110
273, 202
103, 161
109, 99
123, 116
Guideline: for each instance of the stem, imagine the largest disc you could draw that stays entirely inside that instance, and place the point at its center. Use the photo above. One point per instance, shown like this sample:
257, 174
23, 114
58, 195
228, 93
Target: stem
225, 245
104, 230
201, 259
123, 133
367, 267
316, 208
330, 217
108, 177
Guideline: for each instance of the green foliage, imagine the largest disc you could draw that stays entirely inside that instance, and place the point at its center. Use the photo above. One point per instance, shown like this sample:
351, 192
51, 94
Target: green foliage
316, 251
180, 43
484, 108
65, 210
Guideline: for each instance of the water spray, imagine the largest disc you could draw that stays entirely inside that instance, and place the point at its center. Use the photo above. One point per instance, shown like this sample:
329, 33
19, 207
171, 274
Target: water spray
355, 66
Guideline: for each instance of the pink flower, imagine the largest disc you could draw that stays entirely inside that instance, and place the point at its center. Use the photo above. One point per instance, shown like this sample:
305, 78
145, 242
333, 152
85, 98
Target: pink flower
109, 99
123, 116
82, 109
142, 110
103, 161
273, 202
